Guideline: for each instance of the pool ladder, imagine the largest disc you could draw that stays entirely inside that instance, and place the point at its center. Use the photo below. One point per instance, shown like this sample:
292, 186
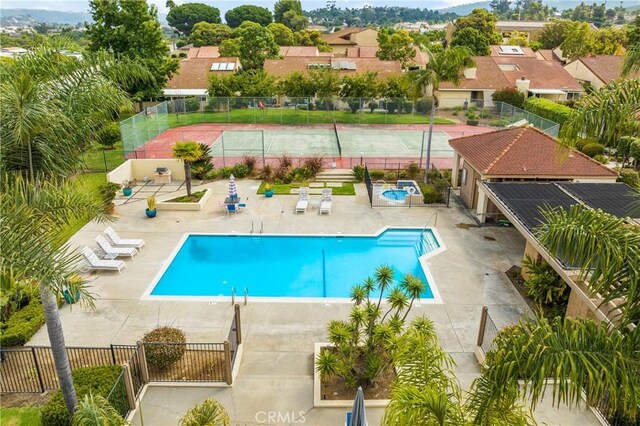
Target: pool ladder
233, 296
252, 230
246, 296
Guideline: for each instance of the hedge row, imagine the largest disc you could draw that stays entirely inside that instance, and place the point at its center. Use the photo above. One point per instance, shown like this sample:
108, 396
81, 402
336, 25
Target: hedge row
97, 380
23, 324
548, 109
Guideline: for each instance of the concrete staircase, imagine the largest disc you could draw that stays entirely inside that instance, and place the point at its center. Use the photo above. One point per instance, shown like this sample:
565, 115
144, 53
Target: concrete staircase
336, 175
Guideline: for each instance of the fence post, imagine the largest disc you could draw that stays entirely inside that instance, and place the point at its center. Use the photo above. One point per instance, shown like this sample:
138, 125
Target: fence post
128, 385
113, 354
238, 327
142, 359
227, 363
483, 324
35, 362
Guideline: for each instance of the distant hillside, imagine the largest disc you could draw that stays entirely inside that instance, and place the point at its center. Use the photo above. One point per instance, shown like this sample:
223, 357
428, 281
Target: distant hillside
46, 16
465, 9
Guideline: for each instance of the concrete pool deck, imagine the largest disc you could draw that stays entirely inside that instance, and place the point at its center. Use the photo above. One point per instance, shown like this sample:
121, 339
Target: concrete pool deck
276, 370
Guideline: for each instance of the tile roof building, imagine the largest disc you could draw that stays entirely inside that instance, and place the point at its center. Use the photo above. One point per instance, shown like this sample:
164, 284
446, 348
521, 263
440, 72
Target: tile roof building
345, 66
597, 70
518, 154
510, 66
351, 37
192, 78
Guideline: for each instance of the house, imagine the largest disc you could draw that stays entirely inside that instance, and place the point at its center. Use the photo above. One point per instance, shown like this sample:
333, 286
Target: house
523, 154
302, 51
192, 78
597, 70
510, 66
531, 29
351, 37
345, 66
419, 61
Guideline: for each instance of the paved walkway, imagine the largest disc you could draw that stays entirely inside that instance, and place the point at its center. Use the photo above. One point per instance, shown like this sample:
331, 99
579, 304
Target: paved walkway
277, 366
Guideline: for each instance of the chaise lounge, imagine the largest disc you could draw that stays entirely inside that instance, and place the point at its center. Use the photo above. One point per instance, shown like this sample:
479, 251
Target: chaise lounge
325, 203
303, 200
123, 242
109, 250
94, 263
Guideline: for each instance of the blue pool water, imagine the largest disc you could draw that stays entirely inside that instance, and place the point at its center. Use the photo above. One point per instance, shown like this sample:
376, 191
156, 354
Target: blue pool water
395, 194
290, 266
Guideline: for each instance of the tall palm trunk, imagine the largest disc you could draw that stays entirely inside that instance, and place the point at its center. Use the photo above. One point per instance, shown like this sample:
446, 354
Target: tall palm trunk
58, 348
187, 176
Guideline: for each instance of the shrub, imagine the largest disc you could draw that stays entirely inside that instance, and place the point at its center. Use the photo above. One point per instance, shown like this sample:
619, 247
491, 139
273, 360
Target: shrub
630, 177
314, 164
423, 105
209, 412
601, 159
544, 285
593, 149
376, 174
226, 172
430, 194
413, 170
266, 172
109, 135
485, 113
282, 170
107, 193
391, 175
372, 106
548, 109
192, 104
240, 170
211, 174
164, 346
98, 381
454, 112
391, 106
509, 95
358, 172
580, 143
250, 162
22, 324
407, 107
201, 170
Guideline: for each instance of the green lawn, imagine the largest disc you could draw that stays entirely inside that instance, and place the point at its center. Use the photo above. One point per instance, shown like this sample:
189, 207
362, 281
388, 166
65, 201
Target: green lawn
94, 160
23, 416
285, 188
291, 116
90, 183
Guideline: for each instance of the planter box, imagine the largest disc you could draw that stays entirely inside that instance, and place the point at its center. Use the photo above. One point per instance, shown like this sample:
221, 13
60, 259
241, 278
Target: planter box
336, 403
168, 205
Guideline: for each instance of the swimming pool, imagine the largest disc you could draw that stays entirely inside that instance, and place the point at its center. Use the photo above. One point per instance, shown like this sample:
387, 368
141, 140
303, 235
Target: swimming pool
318, 267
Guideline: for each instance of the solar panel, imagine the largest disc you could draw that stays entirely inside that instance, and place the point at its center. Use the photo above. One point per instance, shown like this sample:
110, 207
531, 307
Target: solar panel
230, 66
614, 198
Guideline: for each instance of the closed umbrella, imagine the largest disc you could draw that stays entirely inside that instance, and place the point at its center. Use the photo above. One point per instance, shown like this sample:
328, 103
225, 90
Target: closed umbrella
233, 192
358, 415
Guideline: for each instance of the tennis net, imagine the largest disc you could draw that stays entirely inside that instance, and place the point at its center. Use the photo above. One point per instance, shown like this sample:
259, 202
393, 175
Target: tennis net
335, 128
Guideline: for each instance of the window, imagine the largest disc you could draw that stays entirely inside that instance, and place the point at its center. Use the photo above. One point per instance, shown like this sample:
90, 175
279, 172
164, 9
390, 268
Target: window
223, 66
508, 67
463, 180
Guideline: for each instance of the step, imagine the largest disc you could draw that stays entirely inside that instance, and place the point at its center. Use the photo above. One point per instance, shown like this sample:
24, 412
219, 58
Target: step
336, 172
332, 179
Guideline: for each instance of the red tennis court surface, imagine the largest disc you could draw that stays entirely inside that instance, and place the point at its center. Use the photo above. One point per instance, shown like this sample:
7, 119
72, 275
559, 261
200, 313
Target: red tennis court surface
161, 145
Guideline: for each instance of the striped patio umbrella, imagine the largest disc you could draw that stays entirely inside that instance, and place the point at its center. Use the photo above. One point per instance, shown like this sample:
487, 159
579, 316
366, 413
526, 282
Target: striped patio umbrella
358, 415
233, 192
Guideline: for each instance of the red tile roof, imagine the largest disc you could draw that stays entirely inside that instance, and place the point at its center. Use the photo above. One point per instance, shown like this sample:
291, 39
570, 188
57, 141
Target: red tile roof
194, 73
488, 76
606, 67
299, 51
289, 64
203, 52
526, 152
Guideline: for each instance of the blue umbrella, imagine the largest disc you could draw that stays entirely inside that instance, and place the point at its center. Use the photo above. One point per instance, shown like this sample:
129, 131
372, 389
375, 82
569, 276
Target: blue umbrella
233, 192
358, 415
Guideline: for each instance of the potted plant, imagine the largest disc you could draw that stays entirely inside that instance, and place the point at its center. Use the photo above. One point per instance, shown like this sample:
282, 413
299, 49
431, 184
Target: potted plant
151, 207
268, 190
71, 292
127, 187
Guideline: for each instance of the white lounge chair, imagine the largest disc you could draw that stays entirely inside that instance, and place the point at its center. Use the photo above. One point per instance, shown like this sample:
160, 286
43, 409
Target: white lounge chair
325, 203
95, 263
123, 242
303, 200
109, 250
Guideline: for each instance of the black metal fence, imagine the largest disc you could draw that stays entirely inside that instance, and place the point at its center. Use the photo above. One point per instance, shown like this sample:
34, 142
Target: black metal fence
32, 369
388, 189
613, 417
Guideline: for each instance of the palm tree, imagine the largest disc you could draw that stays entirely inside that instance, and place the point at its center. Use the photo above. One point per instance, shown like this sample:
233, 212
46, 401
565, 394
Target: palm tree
208, 413
31, 216
96, 411
605, 248
570, 355
187, 152
52, 107
443, 66
631, 63
607, 114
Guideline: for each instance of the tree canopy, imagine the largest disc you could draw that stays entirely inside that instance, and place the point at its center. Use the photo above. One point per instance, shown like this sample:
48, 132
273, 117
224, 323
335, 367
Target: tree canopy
252, 43
206, 34
185, 16
483, 21
311, 38
395, 47
289, 13
248, 12
131, 28
473, 39
282, 34
376, 15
